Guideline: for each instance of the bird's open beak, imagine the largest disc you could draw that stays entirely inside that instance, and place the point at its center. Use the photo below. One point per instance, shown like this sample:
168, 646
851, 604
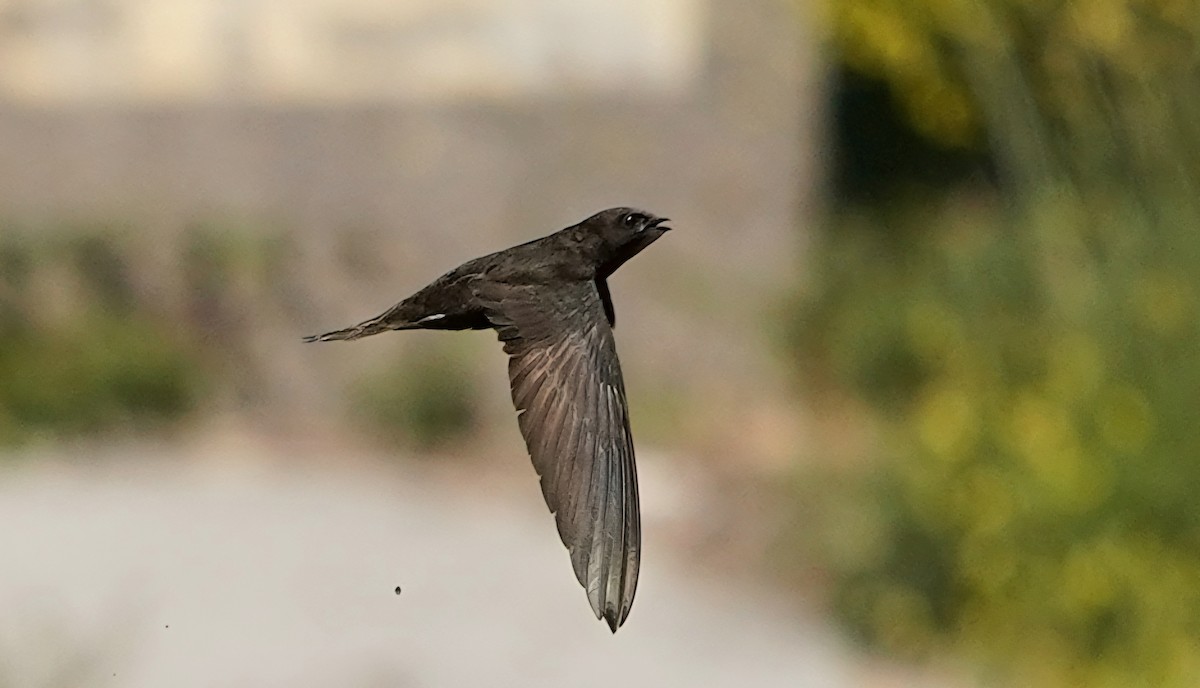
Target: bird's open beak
656, 223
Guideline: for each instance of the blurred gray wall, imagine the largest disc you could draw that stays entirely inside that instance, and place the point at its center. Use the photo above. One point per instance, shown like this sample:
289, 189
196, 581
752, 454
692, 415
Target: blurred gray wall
702, 111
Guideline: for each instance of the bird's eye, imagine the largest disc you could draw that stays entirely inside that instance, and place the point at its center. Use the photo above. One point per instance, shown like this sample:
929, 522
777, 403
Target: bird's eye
631, 219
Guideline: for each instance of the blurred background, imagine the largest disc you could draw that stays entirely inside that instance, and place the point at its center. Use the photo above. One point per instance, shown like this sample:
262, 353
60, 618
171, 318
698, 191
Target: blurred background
911, 383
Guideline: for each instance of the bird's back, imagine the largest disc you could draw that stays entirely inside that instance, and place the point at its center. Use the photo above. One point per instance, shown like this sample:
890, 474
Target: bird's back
548, 260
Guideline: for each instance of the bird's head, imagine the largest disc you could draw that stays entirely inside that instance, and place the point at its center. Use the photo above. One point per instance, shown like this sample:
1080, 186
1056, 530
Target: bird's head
623, 232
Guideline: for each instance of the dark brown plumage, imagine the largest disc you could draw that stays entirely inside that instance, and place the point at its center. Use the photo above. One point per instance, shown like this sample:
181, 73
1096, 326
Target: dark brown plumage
548, 300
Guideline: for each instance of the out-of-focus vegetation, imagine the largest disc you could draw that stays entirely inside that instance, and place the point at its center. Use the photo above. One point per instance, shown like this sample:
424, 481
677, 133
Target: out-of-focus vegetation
1030, 357
425, 399
104, 330
76, 354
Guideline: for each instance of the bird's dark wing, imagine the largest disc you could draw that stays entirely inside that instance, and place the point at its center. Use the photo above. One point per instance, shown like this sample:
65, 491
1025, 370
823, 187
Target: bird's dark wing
567, 387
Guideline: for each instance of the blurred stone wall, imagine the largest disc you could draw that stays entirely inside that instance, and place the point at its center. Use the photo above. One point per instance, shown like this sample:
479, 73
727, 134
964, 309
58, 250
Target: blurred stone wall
730, 156
342, 51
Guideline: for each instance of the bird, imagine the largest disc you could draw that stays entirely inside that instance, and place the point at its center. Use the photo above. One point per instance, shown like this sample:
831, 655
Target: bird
548, 301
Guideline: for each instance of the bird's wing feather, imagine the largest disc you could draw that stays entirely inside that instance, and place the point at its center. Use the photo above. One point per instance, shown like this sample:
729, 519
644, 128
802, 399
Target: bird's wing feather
567, 387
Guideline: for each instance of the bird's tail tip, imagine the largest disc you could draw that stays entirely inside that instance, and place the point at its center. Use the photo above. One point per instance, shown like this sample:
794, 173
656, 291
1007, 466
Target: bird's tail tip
336, 335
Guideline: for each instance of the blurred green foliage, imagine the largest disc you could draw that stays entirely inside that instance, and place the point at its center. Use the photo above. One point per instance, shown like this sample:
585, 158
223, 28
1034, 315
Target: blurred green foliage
1035, 505
426, 399
76, 356
91, 376
1051, 73
104, 329
1029, 358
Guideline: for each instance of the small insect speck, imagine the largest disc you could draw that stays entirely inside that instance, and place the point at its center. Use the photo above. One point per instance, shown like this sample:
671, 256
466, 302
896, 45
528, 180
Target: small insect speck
397, 589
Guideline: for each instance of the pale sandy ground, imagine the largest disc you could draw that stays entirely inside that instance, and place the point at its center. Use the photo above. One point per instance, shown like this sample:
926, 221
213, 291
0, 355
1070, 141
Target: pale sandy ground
156, 571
